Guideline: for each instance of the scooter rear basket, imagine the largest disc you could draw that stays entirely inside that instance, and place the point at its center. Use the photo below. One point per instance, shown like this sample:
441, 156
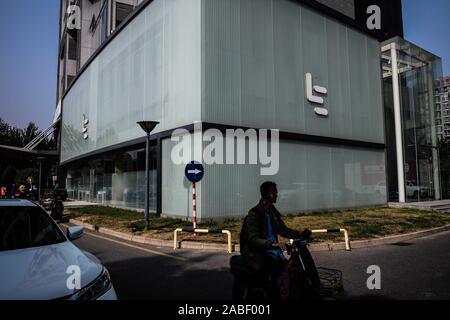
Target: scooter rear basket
331, 282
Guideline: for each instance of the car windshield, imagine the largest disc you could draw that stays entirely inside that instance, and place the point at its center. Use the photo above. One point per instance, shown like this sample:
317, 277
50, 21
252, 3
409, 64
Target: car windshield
27, 227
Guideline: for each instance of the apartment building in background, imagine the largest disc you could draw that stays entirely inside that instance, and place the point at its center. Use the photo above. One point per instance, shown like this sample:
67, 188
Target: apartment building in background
99, 19
442, 99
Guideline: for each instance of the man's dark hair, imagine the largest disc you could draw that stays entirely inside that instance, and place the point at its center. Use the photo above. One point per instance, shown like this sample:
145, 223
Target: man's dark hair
266, 187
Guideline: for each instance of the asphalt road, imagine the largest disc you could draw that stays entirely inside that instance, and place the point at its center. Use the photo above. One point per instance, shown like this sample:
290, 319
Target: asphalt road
419, 269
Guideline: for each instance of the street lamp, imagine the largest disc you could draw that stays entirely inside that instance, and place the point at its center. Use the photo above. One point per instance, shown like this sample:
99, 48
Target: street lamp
40, 159
148, 127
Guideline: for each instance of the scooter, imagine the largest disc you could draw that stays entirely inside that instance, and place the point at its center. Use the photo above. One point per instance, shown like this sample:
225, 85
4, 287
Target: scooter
299, 281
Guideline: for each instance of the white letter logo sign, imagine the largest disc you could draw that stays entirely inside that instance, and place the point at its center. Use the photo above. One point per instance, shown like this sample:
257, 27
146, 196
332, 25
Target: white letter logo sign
311, 90
85, 127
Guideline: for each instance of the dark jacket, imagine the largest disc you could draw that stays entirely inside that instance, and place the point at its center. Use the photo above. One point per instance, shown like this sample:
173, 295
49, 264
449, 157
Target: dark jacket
254, 241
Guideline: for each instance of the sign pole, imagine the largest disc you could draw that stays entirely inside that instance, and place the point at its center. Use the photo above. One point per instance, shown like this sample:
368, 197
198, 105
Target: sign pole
194, 204
194, 173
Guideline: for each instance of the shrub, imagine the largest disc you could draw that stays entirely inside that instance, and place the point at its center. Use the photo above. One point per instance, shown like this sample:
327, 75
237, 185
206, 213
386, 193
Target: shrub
58, 193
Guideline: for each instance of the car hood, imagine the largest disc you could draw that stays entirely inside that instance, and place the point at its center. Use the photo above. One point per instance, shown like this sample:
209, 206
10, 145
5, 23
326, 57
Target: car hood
41, 273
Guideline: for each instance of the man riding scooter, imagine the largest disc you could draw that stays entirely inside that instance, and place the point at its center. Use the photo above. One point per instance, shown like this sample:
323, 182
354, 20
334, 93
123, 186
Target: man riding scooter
261, 251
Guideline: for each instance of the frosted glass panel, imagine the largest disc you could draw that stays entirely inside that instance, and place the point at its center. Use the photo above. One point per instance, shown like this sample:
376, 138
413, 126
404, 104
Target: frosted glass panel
149, 71
288, 68
311, 178
256, 55
176, 190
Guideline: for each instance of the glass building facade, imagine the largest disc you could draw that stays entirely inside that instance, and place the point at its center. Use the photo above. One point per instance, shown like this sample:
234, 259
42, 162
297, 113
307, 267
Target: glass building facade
244, 64
115, 179
417, 71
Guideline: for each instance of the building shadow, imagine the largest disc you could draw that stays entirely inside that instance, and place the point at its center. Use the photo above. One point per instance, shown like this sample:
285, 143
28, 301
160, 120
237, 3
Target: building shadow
160, 278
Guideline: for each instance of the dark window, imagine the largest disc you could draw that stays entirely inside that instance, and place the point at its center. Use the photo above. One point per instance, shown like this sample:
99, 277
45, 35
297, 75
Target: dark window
27, 227
70, 80
104, 25
122, 12
72, 49
346, 7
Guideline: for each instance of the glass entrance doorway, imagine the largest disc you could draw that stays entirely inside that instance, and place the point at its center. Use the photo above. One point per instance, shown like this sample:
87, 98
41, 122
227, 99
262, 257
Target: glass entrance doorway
411, 121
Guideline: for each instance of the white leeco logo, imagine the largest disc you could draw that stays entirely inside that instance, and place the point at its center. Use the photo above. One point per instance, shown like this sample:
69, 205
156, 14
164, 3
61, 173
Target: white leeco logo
310, 90
85, 127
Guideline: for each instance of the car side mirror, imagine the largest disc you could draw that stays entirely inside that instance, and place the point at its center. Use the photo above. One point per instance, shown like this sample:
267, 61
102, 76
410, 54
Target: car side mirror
74, 233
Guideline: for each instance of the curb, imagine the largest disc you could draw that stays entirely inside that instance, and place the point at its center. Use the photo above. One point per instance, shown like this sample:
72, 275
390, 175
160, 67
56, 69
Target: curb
425, 206
319, 247
398, 238
123, 236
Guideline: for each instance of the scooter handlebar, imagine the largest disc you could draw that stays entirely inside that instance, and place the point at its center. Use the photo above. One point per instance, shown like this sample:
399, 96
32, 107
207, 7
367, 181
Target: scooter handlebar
292, 247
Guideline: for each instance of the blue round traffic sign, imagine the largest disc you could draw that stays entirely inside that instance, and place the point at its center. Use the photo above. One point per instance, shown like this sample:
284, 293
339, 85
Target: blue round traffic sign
194, 172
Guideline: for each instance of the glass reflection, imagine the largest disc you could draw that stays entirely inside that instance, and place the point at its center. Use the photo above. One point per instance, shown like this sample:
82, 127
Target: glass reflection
116, 179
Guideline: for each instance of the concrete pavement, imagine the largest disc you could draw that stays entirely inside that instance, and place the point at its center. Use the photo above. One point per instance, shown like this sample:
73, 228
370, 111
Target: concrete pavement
165, 274
416, 270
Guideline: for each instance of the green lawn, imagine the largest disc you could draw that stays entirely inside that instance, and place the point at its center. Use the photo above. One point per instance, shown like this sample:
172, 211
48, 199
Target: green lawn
361, 224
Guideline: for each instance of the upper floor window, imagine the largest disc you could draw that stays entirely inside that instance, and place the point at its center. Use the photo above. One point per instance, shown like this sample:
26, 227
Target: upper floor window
122, 12
72, 52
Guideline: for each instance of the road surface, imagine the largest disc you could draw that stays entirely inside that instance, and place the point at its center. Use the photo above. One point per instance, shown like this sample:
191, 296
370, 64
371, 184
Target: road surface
419, 269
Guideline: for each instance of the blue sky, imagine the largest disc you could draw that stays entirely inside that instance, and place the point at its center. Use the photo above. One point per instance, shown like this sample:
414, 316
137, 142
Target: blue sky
28, 60
29, 48
427, 24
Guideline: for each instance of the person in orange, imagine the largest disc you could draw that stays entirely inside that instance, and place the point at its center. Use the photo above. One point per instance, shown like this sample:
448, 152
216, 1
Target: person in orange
3, 192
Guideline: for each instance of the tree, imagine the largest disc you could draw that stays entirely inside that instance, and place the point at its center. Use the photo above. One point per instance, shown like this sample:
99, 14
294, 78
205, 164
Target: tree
9, 175
22, 175
16, 137
29, 133
10, 136
4, 130
18, 169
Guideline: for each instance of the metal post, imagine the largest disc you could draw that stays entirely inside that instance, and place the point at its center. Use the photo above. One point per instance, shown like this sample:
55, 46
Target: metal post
159, 178
40, 177
194, 205
147, 183
148, 127
398, 125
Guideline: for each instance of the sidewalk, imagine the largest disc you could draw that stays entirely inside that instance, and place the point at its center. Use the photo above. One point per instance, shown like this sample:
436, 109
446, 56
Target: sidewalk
78, 204
439, 205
